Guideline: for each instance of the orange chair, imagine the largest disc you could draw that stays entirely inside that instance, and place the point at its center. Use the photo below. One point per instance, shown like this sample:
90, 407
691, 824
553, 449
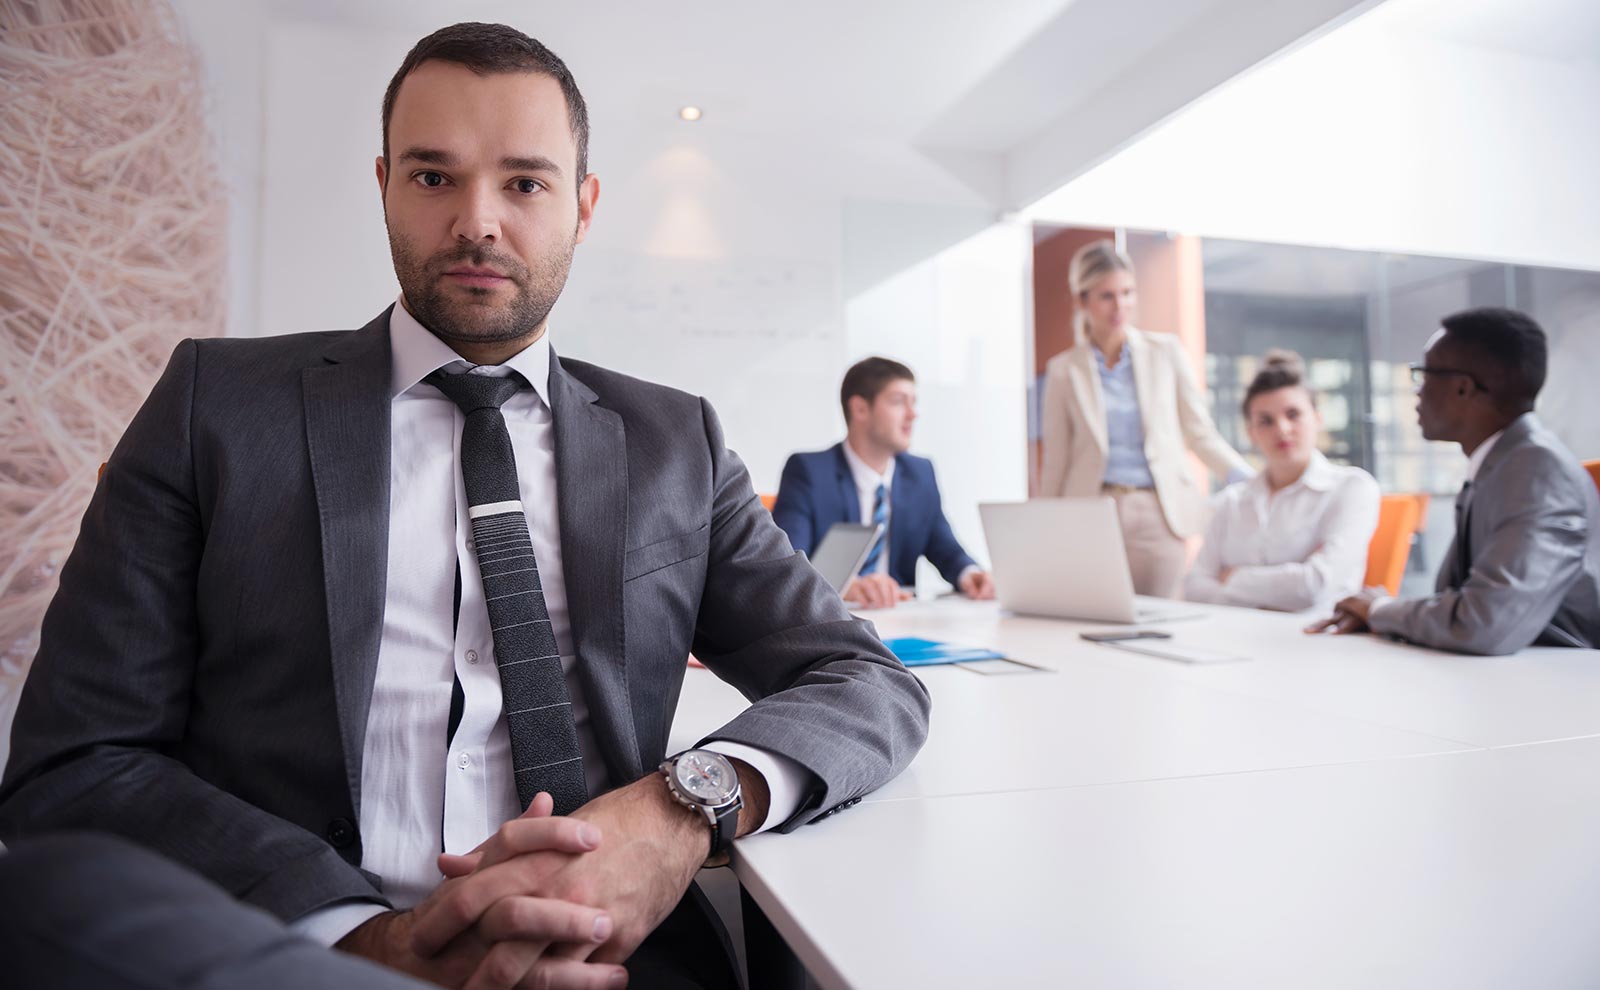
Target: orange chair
769, 501
1399, 518
1594, 471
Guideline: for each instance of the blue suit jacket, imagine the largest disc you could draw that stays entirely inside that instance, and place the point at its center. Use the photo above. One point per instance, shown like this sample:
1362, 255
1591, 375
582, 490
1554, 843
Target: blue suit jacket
818, 491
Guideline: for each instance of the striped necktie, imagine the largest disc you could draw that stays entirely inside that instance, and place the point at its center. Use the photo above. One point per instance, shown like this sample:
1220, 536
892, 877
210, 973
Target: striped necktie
544, 741
880, 517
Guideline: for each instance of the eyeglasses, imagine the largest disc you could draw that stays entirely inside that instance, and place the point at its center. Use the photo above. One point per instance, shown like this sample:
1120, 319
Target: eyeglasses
1419, 371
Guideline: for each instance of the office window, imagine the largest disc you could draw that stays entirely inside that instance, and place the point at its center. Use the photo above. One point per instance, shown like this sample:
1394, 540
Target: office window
1358, 319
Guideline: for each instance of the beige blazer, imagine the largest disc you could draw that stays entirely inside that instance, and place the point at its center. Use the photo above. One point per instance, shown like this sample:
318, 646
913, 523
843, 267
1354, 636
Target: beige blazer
1175, 418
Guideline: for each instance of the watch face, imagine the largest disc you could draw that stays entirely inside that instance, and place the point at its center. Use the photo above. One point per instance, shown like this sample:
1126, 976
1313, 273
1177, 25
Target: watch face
707, 777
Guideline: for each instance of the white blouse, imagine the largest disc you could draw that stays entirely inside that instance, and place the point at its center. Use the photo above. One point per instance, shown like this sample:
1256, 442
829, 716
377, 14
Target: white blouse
1304, 546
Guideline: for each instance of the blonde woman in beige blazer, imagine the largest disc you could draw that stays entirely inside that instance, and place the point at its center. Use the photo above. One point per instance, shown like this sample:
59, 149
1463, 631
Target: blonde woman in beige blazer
1120, 409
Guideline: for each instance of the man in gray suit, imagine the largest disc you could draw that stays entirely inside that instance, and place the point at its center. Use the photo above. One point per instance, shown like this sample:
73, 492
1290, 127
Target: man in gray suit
1524, 567
264, 658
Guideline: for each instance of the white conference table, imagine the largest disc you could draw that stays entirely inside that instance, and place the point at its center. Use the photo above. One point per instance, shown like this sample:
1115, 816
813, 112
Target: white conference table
1331, 812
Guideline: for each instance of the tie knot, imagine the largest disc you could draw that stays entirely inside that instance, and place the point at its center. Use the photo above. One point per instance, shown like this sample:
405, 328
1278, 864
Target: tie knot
472, 392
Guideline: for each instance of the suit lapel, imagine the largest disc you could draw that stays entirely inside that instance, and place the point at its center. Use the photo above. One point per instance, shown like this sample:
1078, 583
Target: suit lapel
347, 408
592, 498
1461, 549
846, 483
1086, 390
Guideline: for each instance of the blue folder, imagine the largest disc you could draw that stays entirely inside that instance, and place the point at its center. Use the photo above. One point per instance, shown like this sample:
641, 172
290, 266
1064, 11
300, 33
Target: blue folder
914, 652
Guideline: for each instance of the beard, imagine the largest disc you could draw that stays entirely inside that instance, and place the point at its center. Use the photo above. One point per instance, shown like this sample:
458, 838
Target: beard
472, 315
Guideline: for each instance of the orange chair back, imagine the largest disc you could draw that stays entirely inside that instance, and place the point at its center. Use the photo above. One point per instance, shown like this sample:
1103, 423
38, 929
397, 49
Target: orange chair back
1399, 518
769, 501
1594, 471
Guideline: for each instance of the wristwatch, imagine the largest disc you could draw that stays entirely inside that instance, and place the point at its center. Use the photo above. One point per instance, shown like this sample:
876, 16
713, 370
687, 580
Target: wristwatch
707, 783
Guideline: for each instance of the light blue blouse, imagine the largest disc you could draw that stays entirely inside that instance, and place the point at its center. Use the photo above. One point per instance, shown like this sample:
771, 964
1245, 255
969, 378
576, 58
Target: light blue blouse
1125, 460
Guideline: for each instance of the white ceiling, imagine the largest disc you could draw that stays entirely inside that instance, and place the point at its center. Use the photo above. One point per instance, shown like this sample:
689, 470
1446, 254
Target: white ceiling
1457, 128
1560, 30
881, 67
1011, 97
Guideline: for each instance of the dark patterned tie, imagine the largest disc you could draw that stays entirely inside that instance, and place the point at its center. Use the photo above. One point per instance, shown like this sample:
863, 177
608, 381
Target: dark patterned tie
880, 516
544, 741
1463, 562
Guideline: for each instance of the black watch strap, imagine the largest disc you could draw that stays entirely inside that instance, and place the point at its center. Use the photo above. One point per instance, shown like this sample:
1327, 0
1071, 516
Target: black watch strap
724, 827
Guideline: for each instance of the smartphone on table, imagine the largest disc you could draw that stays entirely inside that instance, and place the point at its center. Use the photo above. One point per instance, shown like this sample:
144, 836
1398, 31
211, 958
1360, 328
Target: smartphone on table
1120, 635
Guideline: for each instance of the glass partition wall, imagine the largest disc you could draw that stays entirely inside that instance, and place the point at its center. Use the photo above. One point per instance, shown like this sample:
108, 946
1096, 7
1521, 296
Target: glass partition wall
1358, 319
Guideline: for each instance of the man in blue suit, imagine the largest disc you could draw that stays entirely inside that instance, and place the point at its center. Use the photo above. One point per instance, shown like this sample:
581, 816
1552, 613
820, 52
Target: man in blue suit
870, 478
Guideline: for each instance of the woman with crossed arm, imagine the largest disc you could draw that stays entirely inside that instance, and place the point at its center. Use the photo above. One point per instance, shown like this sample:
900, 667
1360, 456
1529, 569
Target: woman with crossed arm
1295, 536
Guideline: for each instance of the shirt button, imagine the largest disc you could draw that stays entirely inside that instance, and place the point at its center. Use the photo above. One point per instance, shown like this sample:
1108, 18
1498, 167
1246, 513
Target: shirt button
470, 546
472, 656
464, 762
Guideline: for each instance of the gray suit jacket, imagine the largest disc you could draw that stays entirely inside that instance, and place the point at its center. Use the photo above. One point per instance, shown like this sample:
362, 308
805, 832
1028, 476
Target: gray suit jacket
206, 667
1524, 567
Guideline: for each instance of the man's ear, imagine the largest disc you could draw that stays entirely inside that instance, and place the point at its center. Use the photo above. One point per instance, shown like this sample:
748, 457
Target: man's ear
382, 168
588, 196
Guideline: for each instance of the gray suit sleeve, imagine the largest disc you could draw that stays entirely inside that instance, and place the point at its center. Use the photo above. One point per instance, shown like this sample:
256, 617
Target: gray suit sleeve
827, 693
1521, 573
108, 695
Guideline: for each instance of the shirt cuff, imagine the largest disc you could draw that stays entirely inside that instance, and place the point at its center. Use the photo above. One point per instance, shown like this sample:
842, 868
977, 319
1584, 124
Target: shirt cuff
1374, 611
328, 925
786, 779
1240, 474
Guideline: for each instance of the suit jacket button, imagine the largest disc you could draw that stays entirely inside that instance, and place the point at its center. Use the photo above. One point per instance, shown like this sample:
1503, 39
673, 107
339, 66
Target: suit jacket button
341, 832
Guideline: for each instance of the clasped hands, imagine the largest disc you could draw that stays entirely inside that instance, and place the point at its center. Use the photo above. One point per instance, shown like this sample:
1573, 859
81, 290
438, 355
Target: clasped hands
548, 902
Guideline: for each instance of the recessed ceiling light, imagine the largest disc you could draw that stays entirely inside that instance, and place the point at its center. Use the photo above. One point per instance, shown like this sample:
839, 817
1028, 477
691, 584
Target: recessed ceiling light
689, 113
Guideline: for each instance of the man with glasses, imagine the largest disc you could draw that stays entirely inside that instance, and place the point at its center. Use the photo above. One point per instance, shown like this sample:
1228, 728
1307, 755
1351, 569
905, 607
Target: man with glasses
1524, 567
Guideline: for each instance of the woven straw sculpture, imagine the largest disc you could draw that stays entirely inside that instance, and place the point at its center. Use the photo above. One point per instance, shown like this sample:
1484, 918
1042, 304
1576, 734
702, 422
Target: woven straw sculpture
112, 249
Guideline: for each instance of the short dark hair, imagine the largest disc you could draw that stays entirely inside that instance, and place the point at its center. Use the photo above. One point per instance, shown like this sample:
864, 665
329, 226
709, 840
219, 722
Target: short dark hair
1279, 369
867, 378
488, 49
1504, 349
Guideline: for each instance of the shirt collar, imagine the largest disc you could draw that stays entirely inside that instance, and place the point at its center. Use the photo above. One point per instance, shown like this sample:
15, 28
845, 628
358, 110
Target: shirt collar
1100, 359
1319, 476
864, 476
1476, 460
416, 353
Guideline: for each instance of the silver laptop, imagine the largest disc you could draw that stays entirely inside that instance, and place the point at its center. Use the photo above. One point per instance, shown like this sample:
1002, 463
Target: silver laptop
843, 550
1063, 557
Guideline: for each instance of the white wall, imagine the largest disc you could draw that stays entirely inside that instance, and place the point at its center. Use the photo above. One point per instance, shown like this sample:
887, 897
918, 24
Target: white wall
959, 320
1376, 140
232, 45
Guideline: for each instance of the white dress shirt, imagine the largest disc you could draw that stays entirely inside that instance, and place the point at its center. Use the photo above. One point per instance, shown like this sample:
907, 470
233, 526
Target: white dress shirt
422, 791
867, 481
1475, 461
1301, 547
